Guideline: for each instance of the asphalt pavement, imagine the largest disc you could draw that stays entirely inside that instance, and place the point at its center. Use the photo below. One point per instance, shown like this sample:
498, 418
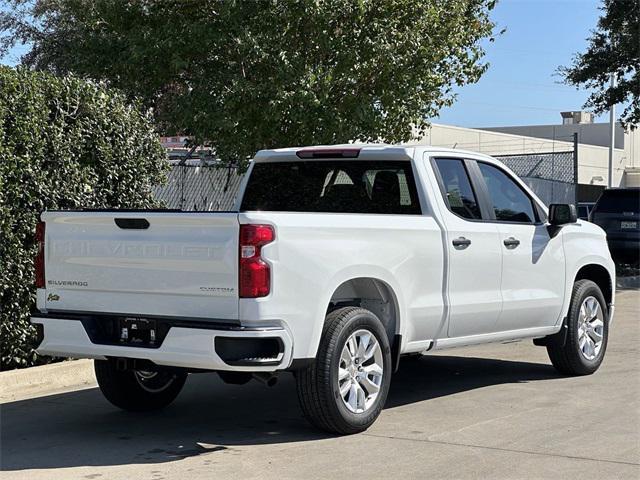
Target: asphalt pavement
494, 411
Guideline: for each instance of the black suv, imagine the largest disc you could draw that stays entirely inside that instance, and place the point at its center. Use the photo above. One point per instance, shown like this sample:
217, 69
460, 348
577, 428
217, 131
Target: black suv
617, 212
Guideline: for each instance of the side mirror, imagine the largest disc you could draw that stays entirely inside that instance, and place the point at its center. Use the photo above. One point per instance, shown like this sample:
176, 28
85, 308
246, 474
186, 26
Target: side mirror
562, 213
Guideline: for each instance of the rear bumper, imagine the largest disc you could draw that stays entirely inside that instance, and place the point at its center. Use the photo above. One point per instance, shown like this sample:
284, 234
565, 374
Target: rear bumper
185, 347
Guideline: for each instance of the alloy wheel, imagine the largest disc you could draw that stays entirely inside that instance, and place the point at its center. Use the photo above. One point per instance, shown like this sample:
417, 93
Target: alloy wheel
590, 328
360, 371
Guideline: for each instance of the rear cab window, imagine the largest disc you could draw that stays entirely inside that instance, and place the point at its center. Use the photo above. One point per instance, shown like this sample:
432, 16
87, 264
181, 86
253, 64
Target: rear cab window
332, 186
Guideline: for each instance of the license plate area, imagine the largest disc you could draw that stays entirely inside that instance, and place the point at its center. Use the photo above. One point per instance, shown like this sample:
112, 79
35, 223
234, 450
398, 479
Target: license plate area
136, 331
628, 225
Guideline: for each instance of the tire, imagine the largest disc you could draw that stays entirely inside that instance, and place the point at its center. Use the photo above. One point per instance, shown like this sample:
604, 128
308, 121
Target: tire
568, 354
319, 384
138, 391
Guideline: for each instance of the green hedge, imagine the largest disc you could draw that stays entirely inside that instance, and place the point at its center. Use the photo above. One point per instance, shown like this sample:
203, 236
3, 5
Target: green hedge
65, 143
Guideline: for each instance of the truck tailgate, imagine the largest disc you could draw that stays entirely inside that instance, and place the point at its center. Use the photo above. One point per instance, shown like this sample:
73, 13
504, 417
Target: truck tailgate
154, 263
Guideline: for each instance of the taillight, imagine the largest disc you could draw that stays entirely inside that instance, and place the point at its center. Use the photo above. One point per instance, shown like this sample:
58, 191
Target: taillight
255, 274
39, 263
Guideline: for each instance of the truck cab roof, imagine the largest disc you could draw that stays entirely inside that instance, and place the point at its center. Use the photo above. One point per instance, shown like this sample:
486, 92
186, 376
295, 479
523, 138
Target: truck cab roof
366, 151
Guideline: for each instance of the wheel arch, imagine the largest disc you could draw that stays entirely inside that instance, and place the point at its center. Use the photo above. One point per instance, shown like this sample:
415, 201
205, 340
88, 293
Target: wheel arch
587, 256
373, 294
372, 288
598, 274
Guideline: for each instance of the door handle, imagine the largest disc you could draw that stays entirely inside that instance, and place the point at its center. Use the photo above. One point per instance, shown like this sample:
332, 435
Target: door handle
461, 242
511, 242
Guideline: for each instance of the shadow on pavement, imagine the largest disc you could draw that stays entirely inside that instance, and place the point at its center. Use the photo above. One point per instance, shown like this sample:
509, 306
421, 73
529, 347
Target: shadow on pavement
81, 429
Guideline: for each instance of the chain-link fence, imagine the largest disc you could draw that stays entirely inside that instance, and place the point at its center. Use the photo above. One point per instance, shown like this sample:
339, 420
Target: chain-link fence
200, 188
552, 176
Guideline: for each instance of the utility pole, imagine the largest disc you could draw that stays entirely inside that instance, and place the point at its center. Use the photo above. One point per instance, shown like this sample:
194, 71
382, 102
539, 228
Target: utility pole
612, 133
575, 166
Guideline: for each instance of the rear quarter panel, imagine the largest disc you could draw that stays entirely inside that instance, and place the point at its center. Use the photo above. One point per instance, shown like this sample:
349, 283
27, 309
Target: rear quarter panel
314, 253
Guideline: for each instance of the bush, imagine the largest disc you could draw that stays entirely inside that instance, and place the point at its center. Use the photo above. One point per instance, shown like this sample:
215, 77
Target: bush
65, 143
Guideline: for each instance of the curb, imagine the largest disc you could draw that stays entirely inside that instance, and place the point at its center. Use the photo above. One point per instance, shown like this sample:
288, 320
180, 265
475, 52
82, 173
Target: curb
45, 380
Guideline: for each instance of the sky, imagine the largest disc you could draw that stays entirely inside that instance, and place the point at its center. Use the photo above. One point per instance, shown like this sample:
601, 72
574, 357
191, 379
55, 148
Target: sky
521, 86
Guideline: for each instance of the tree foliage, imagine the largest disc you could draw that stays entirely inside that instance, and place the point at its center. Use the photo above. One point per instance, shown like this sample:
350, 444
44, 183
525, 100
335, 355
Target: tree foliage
65, 143
614, 48
245, 75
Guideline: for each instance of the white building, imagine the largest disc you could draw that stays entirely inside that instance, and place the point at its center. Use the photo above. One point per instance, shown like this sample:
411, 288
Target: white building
593, 147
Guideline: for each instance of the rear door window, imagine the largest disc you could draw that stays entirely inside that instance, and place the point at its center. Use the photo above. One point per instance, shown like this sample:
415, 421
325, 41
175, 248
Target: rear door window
382, 187
457, 190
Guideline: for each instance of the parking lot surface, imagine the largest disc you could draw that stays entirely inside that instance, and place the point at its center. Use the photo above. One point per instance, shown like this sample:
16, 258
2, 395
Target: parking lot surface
495, 411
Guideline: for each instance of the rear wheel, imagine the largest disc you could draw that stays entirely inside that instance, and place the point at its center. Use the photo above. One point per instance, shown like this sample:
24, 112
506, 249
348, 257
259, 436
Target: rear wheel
346, 387
138, 390
583, 349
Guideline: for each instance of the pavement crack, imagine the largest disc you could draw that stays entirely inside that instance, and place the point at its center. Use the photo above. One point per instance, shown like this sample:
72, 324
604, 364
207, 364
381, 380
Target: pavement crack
501, 449
483, 422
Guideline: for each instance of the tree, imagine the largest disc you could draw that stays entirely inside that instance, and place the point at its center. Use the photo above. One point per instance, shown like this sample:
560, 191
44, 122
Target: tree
246, 75
65, 143
614, 48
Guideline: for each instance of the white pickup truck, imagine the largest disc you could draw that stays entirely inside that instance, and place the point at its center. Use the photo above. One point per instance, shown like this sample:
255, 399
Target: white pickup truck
337, 261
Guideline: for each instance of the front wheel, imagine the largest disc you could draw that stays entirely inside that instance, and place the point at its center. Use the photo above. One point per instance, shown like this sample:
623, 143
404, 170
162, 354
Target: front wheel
345, 389
582, 350
138, 390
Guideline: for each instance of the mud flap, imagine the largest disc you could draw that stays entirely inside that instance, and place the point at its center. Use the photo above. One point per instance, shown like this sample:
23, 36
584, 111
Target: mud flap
558, 338
395, 353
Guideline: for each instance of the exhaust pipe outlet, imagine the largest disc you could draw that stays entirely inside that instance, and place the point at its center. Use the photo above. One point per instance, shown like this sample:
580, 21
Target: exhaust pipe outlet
268, 379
